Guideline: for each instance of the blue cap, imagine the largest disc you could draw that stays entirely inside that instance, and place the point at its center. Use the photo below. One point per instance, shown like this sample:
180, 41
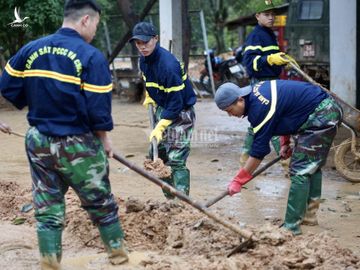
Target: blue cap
143, 31
228, 93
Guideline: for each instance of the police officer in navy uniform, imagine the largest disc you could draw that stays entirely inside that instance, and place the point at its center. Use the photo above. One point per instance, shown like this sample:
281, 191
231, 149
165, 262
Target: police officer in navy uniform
262, 59
169, 89
269, 107
66, 84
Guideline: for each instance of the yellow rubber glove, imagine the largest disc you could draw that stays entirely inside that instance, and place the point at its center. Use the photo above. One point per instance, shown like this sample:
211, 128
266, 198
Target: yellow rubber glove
159, 129
148, 100
292, 60
277, 59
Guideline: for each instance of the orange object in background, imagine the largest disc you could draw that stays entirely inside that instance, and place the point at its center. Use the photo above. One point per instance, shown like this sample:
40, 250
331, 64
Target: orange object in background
279, 30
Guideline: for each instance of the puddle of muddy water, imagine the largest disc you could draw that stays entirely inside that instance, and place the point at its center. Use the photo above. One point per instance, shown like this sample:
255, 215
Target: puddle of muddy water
100, 262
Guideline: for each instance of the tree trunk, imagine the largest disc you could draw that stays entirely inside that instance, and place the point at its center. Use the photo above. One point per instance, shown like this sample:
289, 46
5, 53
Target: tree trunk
187, 32
220, 42
127, 35
219, 15
130, 18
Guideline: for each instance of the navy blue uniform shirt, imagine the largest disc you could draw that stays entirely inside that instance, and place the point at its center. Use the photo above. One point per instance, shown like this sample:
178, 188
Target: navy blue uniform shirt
65, 81
167, 82
294, 101
260, 43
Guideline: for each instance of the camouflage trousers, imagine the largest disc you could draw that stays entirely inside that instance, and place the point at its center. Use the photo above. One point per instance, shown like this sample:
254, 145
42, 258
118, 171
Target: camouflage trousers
58, 163
174, 149
312, 145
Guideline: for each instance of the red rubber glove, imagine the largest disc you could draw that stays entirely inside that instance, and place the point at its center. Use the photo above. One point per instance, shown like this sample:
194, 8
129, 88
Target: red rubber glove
285, 149
239, 180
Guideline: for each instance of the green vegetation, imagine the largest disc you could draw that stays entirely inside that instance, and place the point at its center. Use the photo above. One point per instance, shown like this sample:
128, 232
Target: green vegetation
45, 17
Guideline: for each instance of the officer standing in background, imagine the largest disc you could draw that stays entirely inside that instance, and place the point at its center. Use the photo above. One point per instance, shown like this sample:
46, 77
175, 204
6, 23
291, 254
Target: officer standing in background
262, 57
66, 84
169, 89
263, 61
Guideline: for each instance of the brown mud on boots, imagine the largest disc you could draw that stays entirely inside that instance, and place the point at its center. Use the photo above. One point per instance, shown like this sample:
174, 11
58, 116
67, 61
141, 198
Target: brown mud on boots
119, 255
49, 262
310, 217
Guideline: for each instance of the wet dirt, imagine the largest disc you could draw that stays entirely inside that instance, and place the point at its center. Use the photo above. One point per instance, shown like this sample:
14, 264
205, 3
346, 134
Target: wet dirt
162, 234
176, 234
157, 167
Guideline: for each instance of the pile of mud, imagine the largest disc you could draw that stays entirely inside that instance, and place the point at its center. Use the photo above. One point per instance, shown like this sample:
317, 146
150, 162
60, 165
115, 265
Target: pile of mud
157, 167
13, 200
182, 232
175, 236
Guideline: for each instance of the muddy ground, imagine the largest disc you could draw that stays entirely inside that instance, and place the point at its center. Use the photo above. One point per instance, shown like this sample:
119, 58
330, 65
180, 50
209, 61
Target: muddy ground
165, 235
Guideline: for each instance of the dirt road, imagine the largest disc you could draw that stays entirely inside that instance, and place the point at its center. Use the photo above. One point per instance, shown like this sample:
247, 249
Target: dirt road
213, 161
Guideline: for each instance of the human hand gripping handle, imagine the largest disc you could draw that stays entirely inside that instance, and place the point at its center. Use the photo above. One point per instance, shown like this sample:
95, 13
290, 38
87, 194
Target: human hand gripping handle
285, 149
159, 129
239, 180
291, 60
277, 59
148, 100
5, 128
106, 141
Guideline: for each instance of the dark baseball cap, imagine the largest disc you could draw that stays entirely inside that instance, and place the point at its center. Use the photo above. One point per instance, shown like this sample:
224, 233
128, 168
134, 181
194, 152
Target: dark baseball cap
78, 4
228, 93
143, 31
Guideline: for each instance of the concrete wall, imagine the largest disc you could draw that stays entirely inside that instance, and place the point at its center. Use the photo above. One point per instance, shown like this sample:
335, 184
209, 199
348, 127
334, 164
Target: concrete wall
343, 49
171, 26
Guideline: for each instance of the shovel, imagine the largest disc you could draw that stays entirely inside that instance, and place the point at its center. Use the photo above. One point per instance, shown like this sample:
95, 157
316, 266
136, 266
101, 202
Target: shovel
152, 125
225, 193
246, 234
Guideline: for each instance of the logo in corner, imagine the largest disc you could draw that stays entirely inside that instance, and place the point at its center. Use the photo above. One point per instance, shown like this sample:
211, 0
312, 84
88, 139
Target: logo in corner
18, 22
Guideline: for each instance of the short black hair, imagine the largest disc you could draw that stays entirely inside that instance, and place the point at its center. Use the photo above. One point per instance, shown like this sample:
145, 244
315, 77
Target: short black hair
72, 5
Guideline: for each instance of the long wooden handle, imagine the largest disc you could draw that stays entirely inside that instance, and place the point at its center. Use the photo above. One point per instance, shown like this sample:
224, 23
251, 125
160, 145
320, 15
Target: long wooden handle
304, 75
152, 125
311, 80
17, 134
242, 232
225, 193
351, 115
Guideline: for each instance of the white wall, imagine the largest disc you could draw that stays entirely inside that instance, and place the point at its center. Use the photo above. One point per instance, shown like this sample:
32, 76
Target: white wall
171, 26
343, 49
